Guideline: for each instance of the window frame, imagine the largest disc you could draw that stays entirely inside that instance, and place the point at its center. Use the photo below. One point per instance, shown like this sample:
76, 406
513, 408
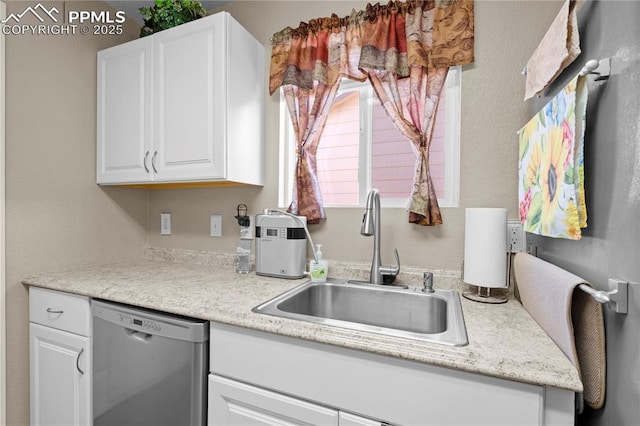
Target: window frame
452, 145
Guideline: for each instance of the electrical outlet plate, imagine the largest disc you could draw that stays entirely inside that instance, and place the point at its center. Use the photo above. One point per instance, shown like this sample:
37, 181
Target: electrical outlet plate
515, 237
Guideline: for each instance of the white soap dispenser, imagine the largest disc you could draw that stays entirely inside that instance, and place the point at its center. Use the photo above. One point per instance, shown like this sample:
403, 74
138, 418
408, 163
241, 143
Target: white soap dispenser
319, 269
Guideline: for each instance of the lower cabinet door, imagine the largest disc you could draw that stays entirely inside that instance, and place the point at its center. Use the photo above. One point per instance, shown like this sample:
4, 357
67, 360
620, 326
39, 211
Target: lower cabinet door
60, 379
234, 403
348, 419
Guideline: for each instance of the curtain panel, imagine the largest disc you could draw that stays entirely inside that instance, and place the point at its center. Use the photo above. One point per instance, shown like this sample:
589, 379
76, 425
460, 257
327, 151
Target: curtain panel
404, 49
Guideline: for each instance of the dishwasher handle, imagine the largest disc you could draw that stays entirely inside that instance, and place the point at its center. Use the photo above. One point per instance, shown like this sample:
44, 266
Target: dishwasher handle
138, 335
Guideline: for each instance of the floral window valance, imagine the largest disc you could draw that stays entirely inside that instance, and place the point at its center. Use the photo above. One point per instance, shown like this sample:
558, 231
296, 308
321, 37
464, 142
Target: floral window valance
404, 49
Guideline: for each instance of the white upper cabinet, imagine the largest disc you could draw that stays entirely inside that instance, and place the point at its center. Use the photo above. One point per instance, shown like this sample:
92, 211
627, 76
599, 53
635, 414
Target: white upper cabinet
184, 105
125, 105
189, 87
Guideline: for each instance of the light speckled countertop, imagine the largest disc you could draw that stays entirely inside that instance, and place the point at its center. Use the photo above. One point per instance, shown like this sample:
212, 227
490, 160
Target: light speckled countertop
504, 341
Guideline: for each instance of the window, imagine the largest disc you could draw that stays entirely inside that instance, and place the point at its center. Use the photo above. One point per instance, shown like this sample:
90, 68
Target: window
362, 149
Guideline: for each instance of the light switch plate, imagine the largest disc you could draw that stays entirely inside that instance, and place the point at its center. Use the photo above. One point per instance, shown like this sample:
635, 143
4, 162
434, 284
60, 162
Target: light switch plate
216, 225
165, 223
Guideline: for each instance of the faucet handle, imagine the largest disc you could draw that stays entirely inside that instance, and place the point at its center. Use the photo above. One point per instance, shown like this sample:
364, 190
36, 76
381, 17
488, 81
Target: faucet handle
392, 270
397, 256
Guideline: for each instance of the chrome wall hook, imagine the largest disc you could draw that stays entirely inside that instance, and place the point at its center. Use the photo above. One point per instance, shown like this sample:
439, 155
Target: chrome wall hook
601, 69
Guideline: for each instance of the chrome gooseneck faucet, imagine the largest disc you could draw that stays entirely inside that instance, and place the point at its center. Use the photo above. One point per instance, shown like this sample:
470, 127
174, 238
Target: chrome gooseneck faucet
371, 226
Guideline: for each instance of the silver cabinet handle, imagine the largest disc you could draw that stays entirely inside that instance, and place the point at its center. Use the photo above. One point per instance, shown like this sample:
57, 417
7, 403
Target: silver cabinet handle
78, 361
153, 161
54, 311
144, 162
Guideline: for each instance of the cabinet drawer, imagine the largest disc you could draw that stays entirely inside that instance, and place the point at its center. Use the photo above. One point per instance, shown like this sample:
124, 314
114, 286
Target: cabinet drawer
64, 311
236, 403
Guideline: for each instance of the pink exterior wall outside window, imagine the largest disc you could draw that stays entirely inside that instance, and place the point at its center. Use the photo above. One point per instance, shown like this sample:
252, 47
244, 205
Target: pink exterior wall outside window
393, 160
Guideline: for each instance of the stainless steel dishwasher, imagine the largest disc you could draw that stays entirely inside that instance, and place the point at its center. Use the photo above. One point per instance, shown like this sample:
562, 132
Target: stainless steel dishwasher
150, 368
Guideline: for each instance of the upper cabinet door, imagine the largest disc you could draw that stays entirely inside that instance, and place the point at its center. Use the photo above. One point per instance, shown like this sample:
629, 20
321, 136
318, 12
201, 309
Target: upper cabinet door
124, 132
190, 90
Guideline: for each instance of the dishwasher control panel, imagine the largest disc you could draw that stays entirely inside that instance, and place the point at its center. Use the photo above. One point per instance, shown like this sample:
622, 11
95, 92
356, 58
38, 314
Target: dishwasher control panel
151, 322
146, 324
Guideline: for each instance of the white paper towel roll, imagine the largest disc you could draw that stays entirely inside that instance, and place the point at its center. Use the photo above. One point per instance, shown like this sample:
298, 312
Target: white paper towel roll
485, 247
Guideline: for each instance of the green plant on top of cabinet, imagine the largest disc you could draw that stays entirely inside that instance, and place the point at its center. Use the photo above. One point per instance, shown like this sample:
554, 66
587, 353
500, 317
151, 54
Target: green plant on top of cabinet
165, 14
183, 106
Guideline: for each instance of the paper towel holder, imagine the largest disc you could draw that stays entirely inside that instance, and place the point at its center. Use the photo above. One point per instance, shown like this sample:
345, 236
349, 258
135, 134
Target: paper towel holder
483, 294
486, 263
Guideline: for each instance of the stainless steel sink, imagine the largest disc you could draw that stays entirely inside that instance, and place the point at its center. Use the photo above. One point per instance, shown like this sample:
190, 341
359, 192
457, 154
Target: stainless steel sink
435, 317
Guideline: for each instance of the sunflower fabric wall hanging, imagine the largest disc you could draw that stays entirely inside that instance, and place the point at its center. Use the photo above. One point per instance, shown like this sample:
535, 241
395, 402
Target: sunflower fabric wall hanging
551, 166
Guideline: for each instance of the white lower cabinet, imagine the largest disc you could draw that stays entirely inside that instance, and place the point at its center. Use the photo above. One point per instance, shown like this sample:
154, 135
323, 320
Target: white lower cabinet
262, 378
60, 384
235, 403
348, 419
60, 359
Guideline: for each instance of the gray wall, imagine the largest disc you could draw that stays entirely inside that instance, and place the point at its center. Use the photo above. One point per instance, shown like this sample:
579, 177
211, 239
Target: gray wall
610, 245
492, 109
56, 216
